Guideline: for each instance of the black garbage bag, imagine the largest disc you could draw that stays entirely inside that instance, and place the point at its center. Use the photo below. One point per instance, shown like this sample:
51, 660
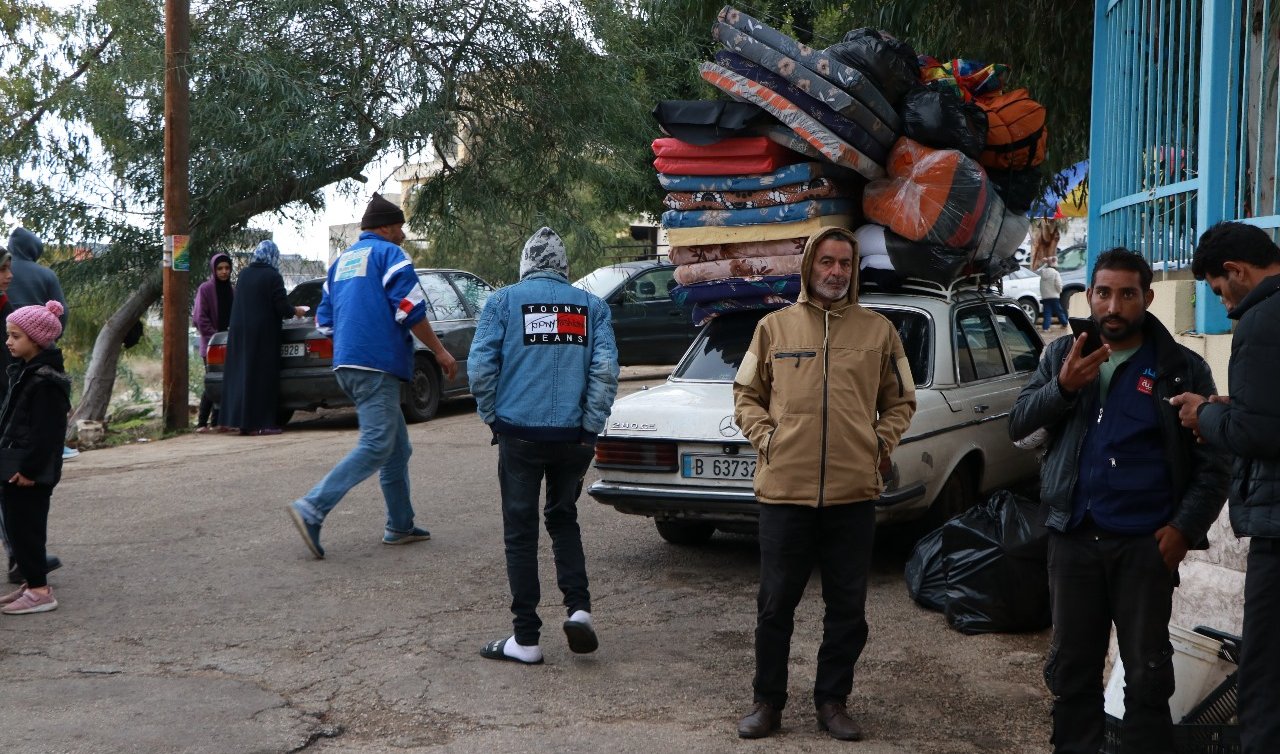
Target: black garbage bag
996, 563
926, 581
938, 264
1018, 188
938, 117
888, 61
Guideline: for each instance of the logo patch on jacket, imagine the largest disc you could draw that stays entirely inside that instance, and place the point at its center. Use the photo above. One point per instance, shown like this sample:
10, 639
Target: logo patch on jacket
554, 324
1146, 385
354, 264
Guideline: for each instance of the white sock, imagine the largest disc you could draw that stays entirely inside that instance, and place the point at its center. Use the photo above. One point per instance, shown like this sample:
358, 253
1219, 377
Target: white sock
519, 651
581, 616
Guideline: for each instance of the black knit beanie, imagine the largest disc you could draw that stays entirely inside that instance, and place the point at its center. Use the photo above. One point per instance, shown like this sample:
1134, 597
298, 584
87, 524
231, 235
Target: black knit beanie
380, 212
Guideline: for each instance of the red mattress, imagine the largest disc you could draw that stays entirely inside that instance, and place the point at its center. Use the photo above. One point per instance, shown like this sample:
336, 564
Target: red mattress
724, 165
741, 146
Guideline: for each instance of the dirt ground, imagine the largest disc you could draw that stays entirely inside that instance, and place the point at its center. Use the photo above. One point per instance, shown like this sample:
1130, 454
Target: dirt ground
193, 620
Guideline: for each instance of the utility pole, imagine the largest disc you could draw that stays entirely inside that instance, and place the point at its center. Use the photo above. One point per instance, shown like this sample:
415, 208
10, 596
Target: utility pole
177, 216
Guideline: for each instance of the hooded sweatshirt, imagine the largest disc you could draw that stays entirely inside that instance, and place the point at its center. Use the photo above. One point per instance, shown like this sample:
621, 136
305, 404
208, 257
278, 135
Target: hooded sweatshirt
33, 283
212, 310
543, 364
822, 395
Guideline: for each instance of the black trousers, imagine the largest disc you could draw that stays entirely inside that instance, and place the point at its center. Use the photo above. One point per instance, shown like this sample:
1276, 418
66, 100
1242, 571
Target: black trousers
26, 518
521, 468
1259, 676
1095, 581
208, 415
794, 538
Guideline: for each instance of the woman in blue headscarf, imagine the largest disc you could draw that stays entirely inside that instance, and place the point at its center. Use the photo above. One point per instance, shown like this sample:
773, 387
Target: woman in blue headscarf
251, 376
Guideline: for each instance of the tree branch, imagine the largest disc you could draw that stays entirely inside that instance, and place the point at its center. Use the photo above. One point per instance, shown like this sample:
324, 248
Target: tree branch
43, 106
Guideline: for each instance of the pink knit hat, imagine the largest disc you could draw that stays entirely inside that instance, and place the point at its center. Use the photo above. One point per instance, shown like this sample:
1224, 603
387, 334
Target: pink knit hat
40, 323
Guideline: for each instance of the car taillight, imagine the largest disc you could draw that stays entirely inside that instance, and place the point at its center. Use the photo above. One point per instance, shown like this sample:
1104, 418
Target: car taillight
319, 348
637, 456
216, 355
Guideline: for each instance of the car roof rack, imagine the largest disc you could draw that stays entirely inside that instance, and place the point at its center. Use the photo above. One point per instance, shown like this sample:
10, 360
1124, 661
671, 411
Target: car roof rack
974, 283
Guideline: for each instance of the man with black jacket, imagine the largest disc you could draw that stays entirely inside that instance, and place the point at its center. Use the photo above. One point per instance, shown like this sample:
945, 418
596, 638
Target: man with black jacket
1242, 266
1128, 492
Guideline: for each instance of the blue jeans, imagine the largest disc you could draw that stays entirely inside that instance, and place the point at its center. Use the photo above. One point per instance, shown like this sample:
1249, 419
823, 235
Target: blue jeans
383, 445
522, 466
1050, 307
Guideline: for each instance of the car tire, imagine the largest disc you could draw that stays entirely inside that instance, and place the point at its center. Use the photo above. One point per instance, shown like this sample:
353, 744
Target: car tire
1031, 307
685, 532
422, 396
955, 497
1066, 298
283, 415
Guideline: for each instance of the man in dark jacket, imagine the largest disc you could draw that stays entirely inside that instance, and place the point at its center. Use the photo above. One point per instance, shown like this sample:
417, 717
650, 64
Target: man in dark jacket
1128, 492
1242, 266
33, 283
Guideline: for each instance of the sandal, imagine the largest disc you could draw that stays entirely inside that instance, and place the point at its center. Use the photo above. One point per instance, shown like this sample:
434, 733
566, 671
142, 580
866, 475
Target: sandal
493, 651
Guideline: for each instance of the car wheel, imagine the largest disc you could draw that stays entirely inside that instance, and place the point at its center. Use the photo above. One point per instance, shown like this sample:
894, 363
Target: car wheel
955, 497
685, 532
423, 397
1066, 298
283, 416
1030, 306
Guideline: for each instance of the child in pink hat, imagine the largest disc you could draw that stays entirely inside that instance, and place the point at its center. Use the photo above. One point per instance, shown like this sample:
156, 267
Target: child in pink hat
33, 423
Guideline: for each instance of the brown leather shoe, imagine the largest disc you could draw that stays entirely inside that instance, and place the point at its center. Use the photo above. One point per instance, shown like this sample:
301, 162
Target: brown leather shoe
760, 722
835, 719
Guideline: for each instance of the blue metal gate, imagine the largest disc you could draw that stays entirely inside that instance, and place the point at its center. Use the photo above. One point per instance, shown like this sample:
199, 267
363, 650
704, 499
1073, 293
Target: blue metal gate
1184, 127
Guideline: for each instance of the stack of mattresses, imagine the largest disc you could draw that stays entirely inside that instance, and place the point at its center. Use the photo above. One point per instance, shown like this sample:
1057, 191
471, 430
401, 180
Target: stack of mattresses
828, 148
739, 212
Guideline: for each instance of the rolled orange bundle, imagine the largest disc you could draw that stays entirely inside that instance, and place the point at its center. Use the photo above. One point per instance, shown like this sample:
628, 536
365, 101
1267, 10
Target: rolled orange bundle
932, 195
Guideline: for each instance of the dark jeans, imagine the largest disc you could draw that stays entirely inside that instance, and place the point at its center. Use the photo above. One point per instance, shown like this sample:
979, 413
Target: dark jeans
1260, 654
521, 468
793, 538
26, 517
1050, 307
1093, 583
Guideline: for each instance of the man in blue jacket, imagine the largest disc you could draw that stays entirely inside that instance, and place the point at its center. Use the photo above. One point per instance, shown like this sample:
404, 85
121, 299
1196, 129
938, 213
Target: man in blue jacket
1128, 492
1242, 265
544, 371
372, 302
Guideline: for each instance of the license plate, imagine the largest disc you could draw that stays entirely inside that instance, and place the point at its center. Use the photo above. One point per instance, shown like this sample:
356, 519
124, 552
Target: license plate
288, 350
717, 466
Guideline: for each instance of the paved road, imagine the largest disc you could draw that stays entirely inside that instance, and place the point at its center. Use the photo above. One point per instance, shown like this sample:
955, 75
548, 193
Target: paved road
193, 620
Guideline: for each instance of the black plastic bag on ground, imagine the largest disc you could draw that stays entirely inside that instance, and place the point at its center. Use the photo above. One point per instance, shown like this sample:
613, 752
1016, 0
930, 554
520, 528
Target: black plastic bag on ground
996, 564
926, 581
939, 118
891, 63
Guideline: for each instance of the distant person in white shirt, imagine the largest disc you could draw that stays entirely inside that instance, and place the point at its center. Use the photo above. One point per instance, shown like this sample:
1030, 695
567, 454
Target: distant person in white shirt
1051, 293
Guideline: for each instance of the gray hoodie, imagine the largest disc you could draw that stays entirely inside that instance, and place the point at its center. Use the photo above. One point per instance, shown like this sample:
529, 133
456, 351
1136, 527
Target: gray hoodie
33, 283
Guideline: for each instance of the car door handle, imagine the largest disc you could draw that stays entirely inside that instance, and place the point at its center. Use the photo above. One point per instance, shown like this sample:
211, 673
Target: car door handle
980, 408
676, 313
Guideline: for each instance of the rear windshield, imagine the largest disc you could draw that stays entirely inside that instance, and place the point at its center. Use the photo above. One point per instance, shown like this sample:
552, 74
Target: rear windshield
718, 350
307, 294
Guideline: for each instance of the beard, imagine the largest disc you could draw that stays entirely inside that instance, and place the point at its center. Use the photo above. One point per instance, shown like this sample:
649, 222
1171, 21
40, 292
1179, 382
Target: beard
831, 289
1117, 329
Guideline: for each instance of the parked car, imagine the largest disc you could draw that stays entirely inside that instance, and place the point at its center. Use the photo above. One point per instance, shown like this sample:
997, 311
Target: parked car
1072, 264
455, 299
649, 327
1023, 285
674, 452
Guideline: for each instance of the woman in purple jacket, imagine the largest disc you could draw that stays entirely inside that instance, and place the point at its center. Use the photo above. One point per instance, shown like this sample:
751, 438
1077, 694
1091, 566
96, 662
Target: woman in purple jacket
212, 313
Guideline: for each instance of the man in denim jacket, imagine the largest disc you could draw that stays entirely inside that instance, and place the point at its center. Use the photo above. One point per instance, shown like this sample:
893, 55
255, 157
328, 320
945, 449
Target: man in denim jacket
544, 371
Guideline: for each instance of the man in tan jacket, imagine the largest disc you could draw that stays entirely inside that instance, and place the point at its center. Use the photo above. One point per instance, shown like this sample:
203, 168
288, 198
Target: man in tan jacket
823, 394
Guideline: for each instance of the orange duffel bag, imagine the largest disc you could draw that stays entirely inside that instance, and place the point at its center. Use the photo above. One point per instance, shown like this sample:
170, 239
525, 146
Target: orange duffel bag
1016, 135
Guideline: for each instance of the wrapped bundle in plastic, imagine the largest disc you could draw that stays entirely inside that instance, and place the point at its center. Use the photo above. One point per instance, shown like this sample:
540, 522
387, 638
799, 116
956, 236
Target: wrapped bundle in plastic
1002, 233
701, 272
819, 188
937, 264
891, 63
939, 118
754, 250
935, 196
